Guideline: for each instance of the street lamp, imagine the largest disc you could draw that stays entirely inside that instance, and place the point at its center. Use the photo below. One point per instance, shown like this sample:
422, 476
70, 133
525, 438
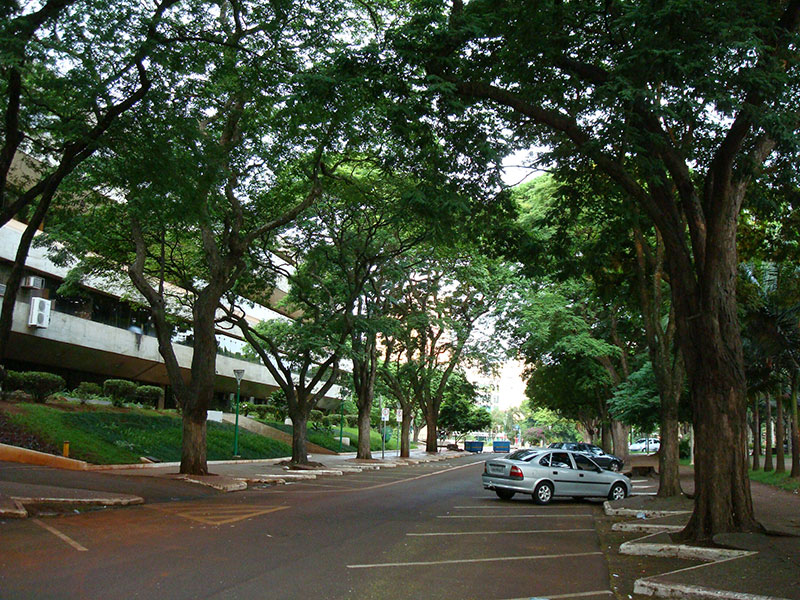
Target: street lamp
238, 373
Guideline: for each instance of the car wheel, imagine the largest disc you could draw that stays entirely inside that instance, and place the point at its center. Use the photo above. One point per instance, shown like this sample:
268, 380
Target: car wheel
617, 492
614, 466
543, 493
504, 494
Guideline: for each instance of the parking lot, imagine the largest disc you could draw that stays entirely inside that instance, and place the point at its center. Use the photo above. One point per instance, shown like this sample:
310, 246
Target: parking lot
417, 531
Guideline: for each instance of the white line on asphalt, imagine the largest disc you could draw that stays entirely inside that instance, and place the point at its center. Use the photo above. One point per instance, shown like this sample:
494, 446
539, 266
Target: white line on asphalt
500, 532
644, 493
639, 480
575, 595
567, 515
506, 505
472, 560
60, 535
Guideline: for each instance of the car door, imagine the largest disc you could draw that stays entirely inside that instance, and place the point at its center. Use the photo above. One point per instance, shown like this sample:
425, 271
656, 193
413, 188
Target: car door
563, 474
590, 482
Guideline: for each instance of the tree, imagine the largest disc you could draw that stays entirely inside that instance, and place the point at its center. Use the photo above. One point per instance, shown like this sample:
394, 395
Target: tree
209, 168
460, 414
440, 307
681, 109
61, 94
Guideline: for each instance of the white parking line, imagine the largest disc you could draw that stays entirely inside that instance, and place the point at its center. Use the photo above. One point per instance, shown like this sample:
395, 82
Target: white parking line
472, 560
506, 505
575, 595
61, 536
640, 480
567, 515
500, 532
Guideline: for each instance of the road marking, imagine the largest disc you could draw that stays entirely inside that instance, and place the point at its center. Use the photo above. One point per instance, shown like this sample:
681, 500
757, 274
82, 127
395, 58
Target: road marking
575, 595
216, 515
60, 535
567, 515
472, 560
640, 480
518, 506
500, 532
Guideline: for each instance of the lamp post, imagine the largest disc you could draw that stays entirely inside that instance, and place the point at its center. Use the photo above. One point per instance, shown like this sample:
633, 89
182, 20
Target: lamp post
238, 373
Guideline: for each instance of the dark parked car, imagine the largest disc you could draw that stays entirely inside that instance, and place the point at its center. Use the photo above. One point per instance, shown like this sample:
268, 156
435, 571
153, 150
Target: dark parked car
596, 453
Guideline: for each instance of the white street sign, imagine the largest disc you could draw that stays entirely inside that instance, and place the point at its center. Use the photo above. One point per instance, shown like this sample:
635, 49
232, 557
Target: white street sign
385, 414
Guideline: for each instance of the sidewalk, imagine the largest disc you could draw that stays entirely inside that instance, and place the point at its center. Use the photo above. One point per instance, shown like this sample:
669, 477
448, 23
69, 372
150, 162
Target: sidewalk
744, 566
26, 485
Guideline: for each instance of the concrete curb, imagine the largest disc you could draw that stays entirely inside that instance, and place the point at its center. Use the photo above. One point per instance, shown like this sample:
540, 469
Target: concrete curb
691, 592
223, 484
632, 512
645, 527
11, 508
636, 548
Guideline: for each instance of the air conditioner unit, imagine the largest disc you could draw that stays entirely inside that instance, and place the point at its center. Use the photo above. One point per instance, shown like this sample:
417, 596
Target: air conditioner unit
40, 313
33, 281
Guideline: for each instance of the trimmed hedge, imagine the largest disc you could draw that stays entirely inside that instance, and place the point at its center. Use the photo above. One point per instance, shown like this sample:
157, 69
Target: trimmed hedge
148, 394
40, 384
14, 381
119, 390
87, 389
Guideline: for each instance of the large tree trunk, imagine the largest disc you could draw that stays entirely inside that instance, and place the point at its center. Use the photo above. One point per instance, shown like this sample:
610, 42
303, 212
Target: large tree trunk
299, 434
795, 426
432, 441
193, 450
756, 435
605, 437
768, 440
669, 483
405, 430
722, 487
364, 429
780, 434
619, 434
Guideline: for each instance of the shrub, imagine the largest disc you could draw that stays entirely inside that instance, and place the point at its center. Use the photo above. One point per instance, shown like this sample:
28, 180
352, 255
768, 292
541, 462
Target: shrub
244, 408
40, 384
351, 420
315, 416
326, 421
149, 394
684, 447
120, 390
87, 389
335, 419
14, 381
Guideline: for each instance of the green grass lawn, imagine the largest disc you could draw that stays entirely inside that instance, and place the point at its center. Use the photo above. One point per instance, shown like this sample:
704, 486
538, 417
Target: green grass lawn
119, 437
781, 480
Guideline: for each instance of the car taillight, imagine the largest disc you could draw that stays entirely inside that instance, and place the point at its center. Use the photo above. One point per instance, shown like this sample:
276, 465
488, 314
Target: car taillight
516, 473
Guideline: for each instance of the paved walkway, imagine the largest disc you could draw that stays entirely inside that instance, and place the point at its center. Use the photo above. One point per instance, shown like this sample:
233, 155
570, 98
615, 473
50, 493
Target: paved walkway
740, 566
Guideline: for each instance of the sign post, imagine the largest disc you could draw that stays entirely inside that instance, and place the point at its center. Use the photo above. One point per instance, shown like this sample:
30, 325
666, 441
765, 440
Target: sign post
384, 418
399, 417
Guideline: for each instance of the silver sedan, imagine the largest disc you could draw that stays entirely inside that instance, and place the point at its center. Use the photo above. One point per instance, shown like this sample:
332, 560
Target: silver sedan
548, 472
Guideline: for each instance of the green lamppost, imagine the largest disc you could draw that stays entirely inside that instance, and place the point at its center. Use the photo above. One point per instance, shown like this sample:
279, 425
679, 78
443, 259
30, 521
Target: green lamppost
238, 373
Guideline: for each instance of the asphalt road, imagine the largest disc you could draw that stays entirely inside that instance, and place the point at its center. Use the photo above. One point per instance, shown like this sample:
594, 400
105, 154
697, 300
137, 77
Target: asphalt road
426, 531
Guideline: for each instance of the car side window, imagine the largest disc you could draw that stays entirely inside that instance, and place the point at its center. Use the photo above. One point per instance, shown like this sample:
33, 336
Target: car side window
545, 460
560, 460
583, 463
